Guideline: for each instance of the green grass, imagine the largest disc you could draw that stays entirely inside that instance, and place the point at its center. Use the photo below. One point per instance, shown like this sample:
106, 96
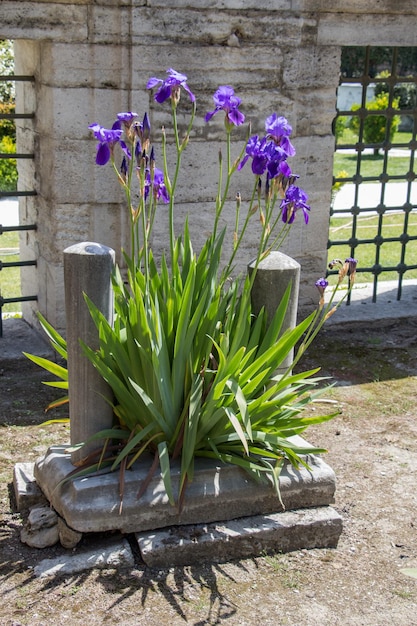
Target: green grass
349, 137
367, 228
10, 276
371, 165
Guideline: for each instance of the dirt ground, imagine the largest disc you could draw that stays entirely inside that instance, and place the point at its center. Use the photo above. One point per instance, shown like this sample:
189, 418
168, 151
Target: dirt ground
372, 446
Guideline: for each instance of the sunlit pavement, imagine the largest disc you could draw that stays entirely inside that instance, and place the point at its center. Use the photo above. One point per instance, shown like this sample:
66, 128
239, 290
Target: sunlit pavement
9, 212
369, 196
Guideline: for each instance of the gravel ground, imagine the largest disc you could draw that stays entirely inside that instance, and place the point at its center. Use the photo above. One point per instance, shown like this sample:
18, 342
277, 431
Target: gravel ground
372, 446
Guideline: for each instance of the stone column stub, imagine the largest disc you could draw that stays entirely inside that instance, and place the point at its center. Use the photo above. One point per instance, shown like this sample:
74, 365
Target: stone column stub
273, 276
87, 270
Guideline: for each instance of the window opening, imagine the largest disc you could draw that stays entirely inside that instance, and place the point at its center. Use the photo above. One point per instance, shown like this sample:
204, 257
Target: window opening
373, 215
10, 228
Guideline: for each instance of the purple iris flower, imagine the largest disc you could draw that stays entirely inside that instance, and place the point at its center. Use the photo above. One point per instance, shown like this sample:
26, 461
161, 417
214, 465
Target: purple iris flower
267, 156
107, 139
352, 263
277, 126
280, 168
225, 100
295, 200
321, 285
170, 87
276, 160
159, 188
255, 149
279, 130
126, 118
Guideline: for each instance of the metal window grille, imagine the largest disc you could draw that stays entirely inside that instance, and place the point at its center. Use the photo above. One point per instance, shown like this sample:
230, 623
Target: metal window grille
7, 194
382, 71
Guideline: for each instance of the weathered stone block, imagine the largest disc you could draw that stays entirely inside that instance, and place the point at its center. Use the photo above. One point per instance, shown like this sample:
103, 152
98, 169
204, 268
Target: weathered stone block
87, 270
242, 538
44, 20
41, 528
371, 29
109, 557
26, 489
218, 492
68, 538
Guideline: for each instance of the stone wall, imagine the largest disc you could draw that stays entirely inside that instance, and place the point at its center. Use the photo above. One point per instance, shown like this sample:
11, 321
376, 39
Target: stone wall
92, 59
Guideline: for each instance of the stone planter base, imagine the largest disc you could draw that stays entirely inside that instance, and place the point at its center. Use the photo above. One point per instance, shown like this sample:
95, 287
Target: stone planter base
227, 515
217, 493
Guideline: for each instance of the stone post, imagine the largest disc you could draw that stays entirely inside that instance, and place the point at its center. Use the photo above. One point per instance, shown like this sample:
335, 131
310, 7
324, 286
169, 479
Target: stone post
273, 275
87, 269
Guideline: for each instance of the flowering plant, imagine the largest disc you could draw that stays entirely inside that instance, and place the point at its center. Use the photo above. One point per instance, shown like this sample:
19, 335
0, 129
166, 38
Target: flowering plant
192, 369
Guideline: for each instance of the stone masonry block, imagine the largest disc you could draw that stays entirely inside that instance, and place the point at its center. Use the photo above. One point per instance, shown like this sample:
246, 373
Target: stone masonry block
110, 556
316, 112
26, 53
26, 490
76, 108
215, 27
371, 29
207, 67
242, 538
64, 2
85, 65
311, 67
44, 20
355, 7
89, 183
228, 5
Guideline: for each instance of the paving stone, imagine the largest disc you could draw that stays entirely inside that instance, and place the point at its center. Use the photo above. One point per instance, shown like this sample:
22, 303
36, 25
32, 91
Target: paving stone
242, 538
112, 556
26, 489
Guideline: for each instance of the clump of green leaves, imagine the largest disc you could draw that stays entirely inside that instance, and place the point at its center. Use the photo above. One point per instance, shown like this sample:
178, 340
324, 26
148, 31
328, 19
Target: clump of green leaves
193, 372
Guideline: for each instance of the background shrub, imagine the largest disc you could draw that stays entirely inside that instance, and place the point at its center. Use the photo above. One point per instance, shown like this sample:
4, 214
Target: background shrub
7, 127
8, 169
375, 126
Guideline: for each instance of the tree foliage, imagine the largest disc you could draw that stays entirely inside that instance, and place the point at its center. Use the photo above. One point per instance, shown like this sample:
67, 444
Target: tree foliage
8, 169
7, 90
405, 93
353, 62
